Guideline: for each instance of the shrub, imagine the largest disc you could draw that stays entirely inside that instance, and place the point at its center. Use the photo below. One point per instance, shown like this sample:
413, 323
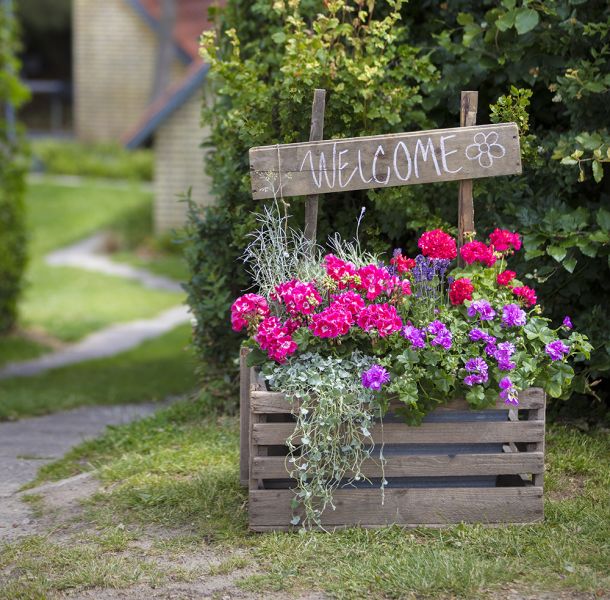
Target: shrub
109, 160
13, 165
552, 55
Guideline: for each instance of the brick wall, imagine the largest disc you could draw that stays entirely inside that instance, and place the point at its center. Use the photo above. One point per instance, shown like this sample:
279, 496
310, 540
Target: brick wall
179, 165
114, 53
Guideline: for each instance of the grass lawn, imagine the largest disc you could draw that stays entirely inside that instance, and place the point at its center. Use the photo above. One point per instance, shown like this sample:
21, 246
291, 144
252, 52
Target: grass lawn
14, 347
69, 303
153, 371
176, 470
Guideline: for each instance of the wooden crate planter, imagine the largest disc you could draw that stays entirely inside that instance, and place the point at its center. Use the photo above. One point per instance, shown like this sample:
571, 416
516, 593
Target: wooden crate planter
444, 454
459, 465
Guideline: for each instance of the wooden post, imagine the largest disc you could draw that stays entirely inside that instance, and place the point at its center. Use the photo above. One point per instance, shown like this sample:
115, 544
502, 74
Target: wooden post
244, 417
316, 133
468, 117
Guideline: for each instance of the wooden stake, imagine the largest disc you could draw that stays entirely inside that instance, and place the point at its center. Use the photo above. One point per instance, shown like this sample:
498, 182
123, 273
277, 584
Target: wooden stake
468, 117
316, 133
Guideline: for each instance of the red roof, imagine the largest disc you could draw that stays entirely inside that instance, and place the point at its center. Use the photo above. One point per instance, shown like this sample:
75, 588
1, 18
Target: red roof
191, 21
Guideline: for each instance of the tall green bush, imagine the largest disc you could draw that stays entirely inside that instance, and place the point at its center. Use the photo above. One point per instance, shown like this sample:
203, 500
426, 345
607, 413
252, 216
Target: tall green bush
386, 73
13, 166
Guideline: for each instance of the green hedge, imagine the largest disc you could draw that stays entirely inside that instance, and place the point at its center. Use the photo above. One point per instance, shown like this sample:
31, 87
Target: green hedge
13, 165
106, 160
405, 77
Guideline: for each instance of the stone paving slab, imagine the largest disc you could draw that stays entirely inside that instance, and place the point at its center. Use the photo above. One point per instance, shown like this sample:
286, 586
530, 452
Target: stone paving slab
88, 254
28, 444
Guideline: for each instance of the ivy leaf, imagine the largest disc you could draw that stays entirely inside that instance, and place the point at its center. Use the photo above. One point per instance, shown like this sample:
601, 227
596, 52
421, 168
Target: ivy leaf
556, 252
526, 20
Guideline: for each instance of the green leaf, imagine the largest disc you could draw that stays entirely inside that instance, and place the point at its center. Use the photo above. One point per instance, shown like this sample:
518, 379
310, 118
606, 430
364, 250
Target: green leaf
598, 171
556, 252
569, 264
256, 358
526, 20
506, 21
279, 37
567, 160
603, 219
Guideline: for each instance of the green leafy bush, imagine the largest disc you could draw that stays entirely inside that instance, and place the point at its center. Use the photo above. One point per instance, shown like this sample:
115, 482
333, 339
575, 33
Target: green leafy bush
109, 160
13, 165
388, 74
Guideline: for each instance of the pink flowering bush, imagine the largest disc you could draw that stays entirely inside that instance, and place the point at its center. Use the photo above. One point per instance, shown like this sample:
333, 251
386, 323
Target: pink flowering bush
430, 330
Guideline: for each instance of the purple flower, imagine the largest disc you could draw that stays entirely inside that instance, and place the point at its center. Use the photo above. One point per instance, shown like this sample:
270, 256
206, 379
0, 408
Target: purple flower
513, 316
477, 368
417, 337
483, 309
477, 334
426, 269
502, 354
491, 349
567, 322
508, 392
375, 377
442, 335
556, 349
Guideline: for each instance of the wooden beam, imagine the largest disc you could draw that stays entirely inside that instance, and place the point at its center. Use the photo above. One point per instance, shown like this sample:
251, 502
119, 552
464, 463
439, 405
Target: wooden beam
468, 117
316, 133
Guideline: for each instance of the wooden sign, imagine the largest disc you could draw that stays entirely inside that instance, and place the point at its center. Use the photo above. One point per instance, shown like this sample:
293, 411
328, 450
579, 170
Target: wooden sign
384, 160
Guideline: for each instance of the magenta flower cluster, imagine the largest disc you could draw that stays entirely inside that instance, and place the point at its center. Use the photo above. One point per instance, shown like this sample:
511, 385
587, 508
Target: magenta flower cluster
274, 337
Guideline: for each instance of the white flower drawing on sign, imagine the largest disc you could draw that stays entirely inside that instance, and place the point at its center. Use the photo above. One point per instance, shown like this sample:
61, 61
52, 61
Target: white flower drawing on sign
485, 148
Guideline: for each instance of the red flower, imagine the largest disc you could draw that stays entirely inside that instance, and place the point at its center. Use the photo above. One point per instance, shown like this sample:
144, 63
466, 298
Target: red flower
402, 263
502, 240
505, 277
460, 290
437, 244
479, 252
527, 294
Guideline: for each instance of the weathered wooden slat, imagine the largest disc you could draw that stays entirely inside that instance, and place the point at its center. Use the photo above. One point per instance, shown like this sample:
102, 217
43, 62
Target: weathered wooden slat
406, 506
381, 161
275, 402
274, 467
467, 432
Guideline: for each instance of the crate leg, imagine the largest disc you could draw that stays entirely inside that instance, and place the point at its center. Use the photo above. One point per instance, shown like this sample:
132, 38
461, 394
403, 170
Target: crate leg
244, 418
